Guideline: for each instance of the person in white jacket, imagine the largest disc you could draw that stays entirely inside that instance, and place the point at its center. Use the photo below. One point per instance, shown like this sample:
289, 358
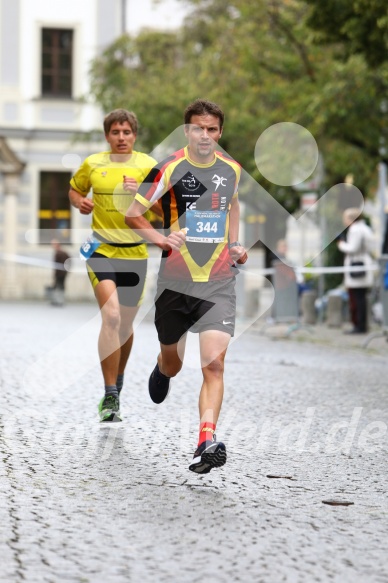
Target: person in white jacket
358, 248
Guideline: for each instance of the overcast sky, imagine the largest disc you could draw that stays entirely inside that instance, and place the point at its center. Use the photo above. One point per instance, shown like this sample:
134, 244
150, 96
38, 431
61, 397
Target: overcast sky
167, 14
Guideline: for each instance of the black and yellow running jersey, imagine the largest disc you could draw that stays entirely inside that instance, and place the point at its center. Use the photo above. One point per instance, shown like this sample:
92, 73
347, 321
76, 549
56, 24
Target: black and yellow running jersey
197, 197
111, 201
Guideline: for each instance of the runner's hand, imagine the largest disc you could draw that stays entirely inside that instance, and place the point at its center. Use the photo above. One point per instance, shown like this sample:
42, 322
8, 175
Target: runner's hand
238, 254
175, 240
86, 206
130, 185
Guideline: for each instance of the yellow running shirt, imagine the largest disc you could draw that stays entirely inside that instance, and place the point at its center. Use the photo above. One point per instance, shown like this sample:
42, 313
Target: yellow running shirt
111, 201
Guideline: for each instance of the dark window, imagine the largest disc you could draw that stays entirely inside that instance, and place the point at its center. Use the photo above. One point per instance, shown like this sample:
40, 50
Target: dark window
54, 207
57, 62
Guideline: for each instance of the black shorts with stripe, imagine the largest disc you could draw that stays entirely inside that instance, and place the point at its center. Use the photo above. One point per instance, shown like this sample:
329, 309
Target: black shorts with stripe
181, 307
129, 275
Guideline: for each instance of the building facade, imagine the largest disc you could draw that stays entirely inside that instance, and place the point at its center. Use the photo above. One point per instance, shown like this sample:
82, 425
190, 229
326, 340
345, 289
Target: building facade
48, 125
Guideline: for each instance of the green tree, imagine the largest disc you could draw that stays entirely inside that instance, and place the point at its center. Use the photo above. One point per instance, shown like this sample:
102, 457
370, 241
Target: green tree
141, 74
262, 63
358, 26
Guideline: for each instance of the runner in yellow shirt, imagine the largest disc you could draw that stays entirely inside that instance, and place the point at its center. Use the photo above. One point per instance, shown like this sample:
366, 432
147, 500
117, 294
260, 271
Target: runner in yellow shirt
116, 257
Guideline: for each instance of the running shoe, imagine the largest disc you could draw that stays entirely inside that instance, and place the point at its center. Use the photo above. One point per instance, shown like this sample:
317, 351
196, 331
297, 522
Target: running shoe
109, 409
209, 455
158, 386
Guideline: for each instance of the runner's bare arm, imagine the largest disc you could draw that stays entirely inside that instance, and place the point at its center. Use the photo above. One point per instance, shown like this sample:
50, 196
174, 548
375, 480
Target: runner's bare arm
82, 203
237, 253
157, 209
135, 220
234, 219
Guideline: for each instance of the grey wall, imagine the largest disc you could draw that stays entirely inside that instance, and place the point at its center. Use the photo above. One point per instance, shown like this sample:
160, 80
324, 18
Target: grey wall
107, 29
9, 38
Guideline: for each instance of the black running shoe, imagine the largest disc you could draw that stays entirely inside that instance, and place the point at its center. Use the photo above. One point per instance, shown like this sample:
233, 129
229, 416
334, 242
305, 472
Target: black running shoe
158, 386
109, 409
210, 454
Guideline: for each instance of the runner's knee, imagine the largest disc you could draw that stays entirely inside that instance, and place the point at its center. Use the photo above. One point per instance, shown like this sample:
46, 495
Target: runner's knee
111, 317
215, 368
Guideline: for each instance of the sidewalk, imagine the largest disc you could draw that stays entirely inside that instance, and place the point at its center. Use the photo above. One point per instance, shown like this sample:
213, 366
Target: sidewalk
374, 342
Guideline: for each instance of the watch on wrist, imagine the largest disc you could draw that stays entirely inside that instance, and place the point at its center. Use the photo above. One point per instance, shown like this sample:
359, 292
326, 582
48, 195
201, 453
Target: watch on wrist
235, 244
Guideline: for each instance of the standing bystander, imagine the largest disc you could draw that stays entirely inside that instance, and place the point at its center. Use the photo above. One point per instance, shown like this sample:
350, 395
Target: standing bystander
60, 274
358, 247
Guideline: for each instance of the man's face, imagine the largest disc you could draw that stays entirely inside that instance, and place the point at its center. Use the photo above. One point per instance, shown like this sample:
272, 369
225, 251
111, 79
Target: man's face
121, 138
202, 134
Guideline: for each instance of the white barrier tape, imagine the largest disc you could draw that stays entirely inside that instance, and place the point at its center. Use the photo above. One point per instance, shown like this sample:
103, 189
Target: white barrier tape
270, 271
317, 270
342, 269
32, 261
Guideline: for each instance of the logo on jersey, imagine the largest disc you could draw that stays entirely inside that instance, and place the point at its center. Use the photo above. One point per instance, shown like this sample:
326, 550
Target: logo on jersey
215, 201
219, 180
218, 202
189, 186
190, 182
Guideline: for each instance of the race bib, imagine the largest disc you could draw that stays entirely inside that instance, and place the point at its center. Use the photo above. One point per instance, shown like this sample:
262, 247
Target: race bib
205, 226
88, 248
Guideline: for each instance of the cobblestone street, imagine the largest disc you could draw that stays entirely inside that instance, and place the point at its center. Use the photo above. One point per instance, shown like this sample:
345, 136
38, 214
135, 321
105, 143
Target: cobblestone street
85, 503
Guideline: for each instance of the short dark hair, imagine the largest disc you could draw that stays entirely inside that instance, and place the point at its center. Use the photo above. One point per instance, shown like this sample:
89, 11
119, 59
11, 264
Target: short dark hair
203, 107
120, 116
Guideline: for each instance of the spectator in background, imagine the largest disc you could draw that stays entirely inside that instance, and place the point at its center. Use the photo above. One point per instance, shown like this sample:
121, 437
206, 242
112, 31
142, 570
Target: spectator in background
358, 248
60, 274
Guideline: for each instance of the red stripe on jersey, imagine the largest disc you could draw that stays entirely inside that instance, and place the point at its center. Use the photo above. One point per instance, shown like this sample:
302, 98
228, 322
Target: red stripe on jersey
172, 159
226, 158
151, 186
175, 267
147, 189
222, 267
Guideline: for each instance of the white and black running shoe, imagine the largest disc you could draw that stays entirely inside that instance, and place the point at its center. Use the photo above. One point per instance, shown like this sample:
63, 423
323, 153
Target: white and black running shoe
209, 455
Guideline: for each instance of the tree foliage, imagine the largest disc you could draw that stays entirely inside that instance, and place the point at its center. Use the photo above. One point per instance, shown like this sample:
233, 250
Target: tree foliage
359, 26
140, 74
265, 63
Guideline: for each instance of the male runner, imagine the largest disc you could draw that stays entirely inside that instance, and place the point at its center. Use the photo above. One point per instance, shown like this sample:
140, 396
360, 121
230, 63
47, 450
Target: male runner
116, 257
197, 186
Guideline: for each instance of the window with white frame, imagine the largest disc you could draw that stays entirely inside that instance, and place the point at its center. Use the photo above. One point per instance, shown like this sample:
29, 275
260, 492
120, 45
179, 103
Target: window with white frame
57, 62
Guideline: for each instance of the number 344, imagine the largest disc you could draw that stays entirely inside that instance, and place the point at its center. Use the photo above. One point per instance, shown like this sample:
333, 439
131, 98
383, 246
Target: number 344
207, 227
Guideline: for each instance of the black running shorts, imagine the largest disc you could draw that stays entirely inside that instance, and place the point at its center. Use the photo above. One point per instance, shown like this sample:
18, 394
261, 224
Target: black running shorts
181, 306
128, 274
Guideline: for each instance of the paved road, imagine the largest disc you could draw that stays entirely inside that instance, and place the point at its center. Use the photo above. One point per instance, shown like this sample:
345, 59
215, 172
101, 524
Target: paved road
81, 503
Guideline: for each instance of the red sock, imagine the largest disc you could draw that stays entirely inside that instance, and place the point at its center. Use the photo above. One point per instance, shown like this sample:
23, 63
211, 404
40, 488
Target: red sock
206, 431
